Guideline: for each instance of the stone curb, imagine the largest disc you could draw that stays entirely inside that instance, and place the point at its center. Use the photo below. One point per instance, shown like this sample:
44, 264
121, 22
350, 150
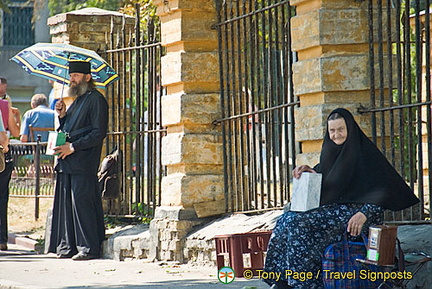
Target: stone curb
22, 241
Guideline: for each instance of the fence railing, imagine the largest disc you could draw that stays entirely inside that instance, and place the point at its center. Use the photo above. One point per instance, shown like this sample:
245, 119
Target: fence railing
135, 117
400, 96
257, 98
33, 175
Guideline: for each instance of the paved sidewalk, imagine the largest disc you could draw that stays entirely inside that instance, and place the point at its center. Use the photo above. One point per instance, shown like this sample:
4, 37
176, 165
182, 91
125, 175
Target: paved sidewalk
22, 268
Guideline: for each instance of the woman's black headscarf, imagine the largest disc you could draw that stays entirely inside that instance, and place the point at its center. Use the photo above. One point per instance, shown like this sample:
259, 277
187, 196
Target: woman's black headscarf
357, 172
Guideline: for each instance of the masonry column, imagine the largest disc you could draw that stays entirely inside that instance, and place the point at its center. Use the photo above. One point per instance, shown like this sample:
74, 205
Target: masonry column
331, 39
192, 147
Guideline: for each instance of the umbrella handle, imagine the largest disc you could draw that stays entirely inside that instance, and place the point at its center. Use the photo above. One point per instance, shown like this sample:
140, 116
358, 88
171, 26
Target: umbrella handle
64, 77
61, 95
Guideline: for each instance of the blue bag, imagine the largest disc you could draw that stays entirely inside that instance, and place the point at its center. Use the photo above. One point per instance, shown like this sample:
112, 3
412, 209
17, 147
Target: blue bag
341, 270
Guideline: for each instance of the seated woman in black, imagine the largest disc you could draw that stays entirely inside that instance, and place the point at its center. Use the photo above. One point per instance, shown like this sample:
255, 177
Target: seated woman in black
358, 184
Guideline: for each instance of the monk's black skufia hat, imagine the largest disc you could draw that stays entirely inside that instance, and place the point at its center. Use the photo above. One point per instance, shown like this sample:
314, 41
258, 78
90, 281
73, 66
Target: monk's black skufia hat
79, 67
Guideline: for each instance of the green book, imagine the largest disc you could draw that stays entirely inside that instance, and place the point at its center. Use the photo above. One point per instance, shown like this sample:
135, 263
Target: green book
55, 139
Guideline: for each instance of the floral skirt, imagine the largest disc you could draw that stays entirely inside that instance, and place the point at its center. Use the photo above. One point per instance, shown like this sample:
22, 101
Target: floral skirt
295, 250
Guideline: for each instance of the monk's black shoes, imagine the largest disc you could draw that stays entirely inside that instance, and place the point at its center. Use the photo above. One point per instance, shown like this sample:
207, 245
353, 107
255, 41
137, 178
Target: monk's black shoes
84, 256
64, 256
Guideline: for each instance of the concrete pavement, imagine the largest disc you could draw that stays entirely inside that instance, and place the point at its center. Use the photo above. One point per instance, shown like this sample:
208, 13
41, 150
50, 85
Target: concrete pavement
23, 268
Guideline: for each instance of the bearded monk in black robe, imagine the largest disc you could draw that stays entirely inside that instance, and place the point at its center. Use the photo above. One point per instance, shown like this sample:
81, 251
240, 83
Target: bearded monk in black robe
77, 222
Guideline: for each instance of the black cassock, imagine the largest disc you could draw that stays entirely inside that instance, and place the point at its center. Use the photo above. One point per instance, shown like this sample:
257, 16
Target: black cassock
77, 218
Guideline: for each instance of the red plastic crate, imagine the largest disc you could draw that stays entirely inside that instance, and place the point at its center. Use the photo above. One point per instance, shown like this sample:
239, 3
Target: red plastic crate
234, 246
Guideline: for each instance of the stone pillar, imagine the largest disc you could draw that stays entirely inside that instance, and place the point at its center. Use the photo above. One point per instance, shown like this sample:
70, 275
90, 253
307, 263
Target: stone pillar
87, 28
331, 39
192, 147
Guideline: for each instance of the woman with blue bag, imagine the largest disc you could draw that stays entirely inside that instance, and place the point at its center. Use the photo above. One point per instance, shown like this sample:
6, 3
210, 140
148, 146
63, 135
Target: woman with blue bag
358, 184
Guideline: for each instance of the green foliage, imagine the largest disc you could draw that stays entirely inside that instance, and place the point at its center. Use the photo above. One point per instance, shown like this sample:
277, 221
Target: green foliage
4, 4
112, 222
148, 10
407, 142
62, 6
421, 3
145, 220
142, 209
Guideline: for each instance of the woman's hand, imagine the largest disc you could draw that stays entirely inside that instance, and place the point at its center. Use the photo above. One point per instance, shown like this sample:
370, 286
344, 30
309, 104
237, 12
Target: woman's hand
296, 173
4, 141
355, 224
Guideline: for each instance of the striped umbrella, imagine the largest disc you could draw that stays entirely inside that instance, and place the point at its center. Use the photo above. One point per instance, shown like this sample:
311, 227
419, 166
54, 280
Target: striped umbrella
50, 61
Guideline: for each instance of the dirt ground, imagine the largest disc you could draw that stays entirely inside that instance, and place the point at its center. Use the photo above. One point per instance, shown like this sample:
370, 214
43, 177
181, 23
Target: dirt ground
22, 222
21, 216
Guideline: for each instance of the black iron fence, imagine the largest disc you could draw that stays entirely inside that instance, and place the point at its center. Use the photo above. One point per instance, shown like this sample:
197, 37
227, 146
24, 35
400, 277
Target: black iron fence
400, 103
135, 117
33, 175
257, 102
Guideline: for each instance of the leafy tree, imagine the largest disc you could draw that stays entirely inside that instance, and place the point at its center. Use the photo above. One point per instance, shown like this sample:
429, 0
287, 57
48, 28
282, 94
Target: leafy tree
421, 4
147, 11
62, 6
124, 6
4, 4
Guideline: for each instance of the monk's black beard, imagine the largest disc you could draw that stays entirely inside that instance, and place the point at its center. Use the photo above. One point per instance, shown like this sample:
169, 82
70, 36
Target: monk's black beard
79, 89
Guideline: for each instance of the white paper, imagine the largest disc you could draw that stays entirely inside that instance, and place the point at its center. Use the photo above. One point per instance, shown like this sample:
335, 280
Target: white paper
306, 192
52, 139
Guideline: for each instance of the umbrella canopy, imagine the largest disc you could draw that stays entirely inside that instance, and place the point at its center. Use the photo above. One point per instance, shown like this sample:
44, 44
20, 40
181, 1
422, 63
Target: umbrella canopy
50, 61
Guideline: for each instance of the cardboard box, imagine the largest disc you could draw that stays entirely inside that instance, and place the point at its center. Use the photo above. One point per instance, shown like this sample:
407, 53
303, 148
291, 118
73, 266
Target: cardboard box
55, 139
306, 192
382, 245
